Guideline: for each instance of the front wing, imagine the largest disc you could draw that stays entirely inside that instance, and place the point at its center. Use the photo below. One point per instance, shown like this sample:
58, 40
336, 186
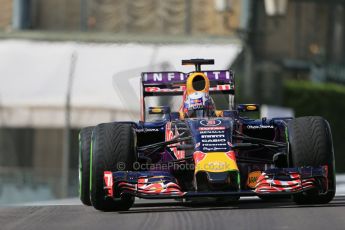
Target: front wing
161, 184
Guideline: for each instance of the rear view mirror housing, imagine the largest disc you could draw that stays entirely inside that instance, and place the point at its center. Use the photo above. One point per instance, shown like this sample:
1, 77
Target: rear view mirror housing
248, 107
159, 110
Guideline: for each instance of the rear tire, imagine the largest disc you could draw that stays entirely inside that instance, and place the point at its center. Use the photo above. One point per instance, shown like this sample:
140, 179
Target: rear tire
311, 145
113, 149
84, 165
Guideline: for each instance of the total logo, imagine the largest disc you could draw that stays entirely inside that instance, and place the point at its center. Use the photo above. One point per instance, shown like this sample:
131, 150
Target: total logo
252, 178
210, 122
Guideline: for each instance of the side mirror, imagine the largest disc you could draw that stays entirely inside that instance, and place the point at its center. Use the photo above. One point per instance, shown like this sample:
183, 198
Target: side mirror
159, 110
248, 107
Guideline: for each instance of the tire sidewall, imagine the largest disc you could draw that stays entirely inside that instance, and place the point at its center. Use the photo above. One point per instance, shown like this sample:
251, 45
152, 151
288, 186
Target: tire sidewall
84, 164
111, 143
301, 154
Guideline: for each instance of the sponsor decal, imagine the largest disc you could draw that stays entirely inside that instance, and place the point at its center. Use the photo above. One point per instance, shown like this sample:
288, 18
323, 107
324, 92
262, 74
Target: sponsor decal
260, 126
214, 144
252, 178
213, 140
213, 136
213, 149
216, 164
211, 131
211, 128
196, 102
146, 130
163, 76
210, 122
155, 77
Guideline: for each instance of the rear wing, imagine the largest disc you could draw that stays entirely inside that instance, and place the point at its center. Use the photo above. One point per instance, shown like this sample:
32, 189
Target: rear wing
174, 83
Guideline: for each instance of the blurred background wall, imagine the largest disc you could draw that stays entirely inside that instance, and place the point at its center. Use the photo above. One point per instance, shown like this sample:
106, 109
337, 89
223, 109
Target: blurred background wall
287, 53
6, 14
217, 17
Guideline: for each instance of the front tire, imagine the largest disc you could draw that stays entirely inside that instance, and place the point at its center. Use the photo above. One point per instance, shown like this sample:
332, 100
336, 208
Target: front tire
311, 145
113, 149
84, 165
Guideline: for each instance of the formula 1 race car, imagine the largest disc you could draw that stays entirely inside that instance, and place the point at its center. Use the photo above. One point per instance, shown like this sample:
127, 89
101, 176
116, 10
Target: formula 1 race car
199, 150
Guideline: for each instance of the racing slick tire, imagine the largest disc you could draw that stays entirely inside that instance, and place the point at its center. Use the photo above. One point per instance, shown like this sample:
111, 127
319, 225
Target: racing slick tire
84, 164
113, 149
311, 145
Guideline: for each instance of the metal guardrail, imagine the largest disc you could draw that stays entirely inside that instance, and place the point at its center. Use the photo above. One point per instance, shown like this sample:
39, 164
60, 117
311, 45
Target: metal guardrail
340, 184
335, 73
105, 37
329, 73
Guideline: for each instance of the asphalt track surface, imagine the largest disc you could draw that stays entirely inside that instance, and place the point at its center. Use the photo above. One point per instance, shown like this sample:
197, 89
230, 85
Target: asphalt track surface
250, 213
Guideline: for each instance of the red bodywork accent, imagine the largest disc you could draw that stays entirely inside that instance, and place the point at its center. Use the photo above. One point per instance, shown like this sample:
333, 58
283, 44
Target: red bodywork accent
108, 181
293, 184
143, 186
169, 135
231, 155
198, 156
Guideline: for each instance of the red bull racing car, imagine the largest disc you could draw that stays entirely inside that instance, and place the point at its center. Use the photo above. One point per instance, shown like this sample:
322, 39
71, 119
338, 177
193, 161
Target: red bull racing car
199, 150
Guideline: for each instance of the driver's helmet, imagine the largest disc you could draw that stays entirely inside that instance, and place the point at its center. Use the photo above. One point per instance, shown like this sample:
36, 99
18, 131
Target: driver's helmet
198, 105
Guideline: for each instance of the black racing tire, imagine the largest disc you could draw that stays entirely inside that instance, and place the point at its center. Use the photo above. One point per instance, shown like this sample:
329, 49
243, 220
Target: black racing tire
113, 149
311, 144
84, 164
